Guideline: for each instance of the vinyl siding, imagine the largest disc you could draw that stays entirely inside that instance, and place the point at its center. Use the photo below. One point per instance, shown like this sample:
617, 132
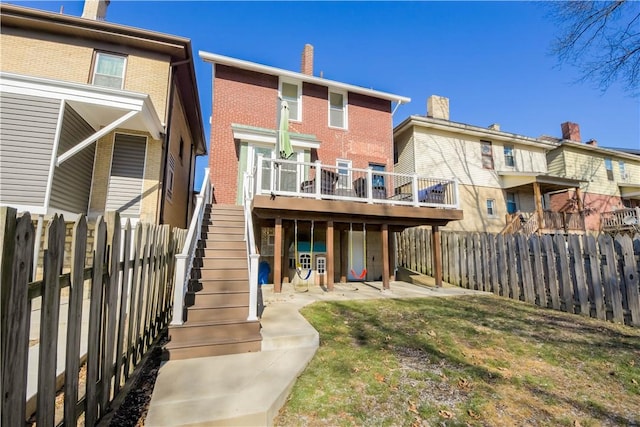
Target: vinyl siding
28, 129
555, 162
589, 166
72, 179
406, 154
126, 177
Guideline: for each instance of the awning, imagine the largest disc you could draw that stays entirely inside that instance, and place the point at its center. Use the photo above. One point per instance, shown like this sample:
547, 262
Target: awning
512, 180
268, 136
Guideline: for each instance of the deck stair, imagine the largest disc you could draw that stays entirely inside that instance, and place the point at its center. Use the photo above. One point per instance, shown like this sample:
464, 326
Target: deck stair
217, 301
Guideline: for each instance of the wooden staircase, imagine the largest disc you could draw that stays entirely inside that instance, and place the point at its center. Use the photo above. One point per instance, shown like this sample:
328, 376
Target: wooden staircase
217, 302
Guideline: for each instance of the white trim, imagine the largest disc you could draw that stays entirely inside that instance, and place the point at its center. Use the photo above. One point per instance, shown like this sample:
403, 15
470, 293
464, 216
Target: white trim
252, 66
345, 111
93, 138
95, 66
298, 85
85, 94
255, 136
54, 155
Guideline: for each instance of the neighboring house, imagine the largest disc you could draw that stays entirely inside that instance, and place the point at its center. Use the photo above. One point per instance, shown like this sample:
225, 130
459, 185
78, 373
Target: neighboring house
342, 155
96, 116
610, 181
503, 177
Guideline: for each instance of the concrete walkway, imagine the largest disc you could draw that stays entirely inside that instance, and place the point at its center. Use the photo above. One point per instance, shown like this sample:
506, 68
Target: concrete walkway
249, 389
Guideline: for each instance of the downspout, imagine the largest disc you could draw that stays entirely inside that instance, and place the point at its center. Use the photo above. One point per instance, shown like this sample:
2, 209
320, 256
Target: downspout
189, 188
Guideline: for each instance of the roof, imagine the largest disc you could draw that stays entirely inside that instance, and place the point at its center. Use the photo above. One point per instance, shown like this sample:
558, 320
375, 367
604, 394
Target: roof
482, 132
177, 48
253, 66
621, 153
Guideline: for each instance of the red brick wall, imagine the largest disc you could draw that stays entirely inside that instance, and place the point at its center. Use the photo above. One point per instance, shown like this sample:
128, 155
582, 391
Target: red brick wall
594, 204
250, 98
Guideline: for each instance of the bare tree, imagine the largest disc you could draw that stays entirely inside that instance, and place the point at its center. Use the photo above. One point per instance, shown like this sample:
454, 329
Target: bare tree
601, 38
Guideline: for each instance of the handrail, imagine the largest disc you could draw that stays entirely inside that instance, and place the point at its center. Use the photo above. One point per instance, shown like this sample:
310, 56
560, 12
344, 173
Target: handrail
627, 218
319, 181
184, 260
252, 253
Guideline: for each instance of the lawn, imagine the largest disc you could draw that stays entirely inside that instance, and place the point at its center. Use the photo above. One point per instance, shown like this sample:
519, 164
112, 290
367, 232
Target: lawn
478, 360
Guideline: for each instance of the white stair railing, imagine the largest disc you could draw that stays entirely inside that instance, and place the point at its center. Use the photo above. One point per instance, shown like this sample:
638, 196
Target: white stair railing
184, 260
252, 253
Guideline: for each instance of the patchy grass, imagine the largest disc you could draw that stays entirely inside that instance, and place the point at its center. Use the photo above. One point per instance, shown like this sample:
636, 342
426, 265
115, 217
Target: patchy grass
477, 360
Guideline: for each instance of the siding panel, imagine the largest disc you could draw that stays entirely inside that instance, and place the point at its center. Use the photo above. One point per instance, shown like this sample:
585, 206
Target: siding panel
72, 179
127, 172
25, 154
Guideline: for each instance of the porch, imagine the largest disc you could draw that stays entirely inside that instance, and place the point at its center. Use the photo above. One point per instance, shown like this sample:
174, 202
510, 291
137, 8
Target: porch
337, 206
621, 220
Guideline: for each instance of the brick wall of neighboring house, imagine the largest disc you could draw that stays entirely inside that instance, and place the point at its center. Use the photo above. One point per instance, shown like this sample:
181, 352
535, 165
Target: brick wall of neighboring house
250, 98
594, 204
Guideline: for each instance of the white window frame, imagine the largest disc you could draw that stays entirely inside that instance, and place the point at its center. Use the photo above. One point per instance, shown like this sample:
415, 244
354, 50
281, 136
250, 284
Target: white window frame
298, 84
623, 170
267, 241
345, 104
95, 67
321, 264
304, 259
512, 150
349, 174
171, 167
491, 208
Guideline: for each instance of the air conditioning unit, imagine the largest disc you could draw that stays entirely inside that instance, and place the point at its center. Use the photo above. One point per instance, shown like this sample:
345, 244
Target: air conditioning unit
625, 176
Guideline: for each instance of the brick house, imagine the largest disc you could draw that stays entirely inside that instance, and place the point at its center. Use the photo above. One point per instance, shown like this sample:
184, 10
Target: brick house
96, 116
610, 186
339, 133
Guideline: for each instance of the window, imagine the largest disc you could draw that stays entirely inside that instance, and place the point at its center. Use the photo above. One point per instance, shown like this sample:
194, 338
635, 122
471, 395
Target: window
337, 110
512, 207
487, 154
609, 167
108, 70
491, 207
344, 173
170, 172
291, 93
377, 179
181, 150
305, 261
321, 265
267, 243
623, 170
508, 156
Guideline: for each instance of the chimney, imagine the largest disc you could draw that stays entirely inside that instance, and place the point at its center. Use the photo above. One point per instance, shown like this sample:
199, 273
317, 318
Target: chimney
438, 107
571, 131
494, 126
95, 9
592, 142
306, 66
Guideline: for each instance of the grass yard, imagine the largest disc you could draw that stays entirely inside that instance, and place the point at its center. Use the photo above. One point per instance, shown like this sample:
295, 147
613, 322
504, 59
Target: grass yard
478, 360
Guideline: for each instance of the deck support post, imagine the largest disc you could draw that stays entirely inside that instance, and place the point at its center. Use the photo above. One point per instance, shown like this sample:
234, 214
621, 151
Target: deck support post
277, 257
538, 200
330, 256
437, 255
385, 256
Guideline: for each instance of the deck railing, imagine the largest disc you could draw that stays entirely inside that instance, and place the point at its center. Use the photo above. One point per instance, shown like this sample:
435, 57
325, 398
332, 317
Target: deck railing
315, 180
184, 260
620, 220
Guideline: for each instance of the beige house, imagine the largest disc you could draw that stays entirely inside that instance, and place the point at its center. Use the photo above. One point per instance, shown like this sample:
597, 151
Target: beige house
96, 116
610, 181
503, 178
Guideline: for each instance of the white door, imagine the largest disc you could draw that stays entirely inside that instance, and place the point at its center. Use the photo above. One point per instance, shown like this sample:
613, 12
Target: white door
356, 257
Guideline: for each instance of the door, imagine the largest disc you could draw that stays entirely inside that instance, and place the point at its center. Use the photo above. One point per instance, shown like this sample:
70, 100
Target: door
356, 257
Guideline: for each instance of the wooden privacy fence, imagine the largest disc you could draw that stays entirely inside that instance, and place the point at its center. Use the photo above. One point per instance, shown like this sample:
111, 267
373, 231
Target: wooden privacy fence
127, 286
597, 277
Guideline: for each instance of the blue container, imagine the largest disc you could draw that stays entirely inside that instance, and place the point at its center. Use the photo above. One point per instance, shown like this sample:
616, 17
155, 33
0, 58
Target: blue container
263, 272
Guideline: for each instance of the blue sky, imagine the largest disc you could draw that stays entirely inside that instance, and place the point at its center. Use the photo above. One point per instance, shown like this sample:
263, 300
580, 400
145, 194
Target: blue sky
491, 59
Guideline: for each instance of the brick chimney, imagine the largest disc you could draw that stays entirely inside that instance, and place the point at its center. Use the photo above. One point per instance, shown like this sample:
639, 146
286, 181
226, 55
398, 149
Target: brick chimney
494, 126
306, 65
438, 107
95, 9
571, 131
